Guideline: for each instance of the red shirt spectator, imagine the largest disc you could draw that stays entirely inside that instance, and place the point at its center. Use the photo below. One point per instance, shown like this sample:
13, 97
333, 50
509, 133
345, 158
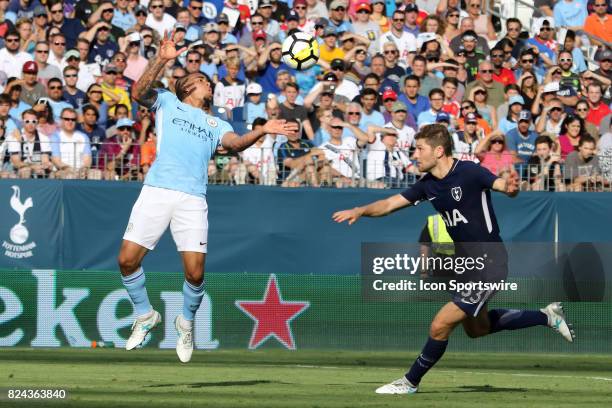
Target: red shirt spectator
597, 108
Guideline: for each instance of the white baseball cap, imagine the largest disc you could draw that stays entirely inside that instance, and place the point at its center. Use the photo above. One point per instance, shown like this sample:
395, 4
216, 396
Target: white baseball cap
254, 88
134, 37
551, 87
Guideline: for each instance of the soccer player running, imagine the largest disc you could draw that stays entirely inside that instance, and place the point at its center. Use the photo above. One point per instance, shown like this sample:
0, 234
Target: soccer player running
174, 191
460, 192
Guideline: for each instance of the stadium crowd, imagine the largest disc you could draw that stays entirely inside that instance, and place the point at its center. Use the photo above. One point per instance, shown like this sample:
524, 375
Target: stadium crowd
534, 98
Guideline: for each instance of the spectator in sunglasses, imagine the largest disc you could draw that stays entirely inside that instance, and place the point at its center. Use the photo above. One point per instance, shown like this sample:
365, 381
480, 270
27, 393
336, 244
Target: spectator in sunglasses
484, 79
493, 153
551, 118
31, 152
405, 41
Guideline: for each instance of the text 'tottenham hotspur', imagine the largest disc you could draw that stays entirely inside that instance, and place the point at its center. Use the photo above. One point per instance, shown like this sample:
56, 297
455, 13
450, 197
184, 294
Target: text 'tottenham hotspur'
412, 265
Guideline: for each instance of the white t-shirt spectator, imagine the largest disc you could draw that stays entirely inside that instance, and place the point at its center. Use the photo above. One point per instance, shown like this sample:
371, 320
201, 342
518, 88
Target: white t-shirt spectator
165, 25
262, 156
12, 64
88, 73
228, 95
344, 158
348, 89
604, 148
71, 149
405, 137
406, 44
375, 164
462, 150
29, 150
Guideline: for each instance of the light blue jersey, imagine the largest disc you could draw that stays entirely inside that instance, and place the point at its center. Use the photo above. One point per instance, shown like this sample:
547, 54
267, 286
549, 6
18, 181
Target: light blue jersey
187, 138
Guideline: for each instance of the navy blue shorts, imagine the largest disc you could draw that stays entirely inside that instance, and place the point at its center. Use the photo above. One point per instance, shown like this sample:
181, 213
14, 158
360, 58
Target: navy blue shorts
495, 270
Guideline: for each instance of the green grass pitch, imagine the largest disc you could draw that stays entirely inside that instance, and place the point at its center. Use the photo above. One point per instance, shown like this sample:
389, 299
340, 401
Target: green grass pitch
275, 378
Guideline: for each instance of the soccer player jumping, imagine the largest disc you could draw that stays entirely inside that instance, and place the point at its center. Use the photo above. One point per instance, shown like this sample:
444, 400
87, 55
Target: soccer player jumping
174, 191
460, 192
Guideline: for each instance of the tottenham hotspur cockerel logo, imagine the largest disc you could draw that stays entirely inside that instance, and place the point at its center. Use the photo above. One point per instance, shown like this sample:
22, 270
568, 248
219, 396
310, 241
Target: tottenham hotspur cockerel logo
456, 193
19, 234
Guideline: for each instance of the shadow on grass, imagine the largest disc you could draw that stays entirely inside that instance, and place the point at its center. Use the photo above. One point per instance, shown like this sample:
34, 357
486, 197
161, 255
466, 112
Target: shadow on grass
220, 384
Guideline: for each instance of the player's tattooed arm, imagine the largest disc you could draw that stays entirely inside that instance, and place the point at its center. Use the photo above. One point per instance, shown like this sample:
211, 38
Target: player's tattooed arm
378, 208
233, 142
143, 93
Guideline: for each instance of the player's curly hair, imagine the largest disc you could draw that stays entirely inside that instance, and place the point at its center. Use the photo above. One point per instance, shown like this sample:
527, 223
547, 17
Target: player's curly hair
436, 135
181, 85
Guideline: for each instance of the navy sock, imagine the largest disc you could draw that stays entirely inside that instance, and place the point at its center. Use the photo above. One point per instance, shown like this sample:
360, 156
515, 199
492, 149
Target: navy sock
512, 319
431, 353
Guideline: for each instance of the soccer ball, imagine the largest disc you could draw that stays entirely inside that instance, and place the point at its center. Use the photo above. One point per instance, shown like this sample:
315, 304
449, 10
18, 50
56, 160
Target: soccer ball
300, 51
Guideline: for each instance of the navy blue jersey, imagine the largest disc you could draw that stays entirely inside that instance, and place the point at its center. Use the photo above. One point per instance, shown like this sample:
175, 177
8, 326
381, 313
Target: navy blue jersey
463, 199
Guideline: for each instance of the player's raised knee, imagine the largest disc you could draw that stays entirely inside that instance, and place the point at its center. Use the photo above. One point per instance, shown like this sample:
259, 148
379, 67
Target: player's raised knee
439, 330
127, 263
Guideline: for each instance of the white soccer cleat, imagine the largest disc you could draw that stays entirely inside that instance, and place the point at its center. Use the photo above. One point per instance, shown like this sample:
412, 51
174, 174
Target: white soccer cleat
556, 320
141, 327
399, 386
184, 342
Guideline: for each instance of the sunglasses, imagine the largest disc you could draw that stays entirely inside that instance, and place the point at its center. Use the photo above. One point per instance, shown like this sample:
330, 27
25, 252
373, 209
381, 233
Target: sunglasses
11, 40
497, 141
363, 12
178, 77
389, 52
486, 71
62, 44
398, 20
194, 61
95, 92
556, 109
480, 92
400, 111
360, 52
389, 100
353, 113
546, 29
582, 110
57, 11
124, 128
195, 7
70, 76
157, 6
55, 88
256, 22
453, 15
600, 5
42, 51
337, 127
277, 49
339, 9
299, 7
527, 61
30, 121
466, 107
69, 119
497, 55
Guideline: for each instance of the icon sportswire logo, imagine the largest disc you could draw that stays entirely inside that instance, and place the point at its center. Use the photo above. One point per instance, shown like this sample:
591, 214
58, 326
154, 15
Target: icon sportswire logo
18, 247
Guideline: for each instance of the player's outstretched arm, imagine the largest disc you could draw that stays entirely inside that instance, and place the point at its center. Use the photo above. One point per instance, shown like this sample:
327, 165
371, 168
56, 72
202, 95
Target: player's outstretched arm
507, 183
142, 91
234, 142
378, 208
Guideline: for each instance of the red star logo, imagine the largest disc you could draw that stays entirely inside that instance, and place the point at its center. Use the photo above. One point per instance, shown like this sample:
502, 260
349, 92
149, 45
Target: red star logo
272, 316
